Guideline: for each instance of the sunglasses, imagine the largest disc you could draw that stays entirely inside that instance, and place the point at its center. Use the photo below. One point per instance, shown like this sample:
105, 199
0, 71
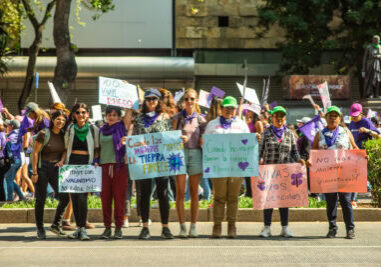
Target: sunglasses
79, 112
189, 99
152, 99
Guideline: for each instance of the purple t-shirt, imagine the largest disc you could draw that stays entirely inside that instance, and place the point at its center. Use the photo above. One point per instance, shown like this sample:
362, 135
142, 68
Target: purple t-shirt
361, 138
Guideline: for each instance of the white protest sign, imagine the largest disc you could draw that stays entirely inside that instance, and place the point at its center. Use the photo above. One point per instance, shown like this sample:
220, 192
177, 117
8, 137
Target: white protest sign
53, 93
309, 97
203, 98
118, 93
79, 179
97, 112
324, 94
250, 94
178, 96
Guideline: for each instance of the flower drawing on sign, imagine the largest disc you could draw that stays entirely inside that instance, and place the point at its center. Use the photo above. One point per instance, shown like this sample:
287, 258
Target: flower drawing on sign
297, 179
175, 162
261, 185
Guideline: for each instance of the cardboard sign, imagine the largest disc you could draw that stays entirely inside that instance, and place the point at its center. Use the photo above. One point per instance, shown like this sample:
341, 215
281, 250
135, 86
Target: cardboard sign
118, 93
230, 155
280, 186
79, 179
215, 92
324, 94
203, 99
250, 94
97, 112
155, 155
178, 96
338, 171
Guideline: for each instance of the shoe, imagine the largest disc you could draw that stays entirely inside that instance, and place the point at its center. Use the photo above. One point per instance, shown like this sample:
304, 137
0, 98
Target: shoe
192, 231
354, 204
266, 232
286, 232
57, 230
166, 233
83, 234
144, 234
331, 233
67, 226
126, 224
106, 234
118, 233
141, 222
232, 230
183, 230
217, 228
41, 233
74, 235
89, 225
350, 234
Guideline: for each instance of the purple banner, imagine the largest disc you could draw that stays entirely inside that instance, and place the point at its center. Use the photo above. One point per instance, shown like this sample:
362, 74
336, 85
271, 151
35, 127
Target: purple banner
310, 128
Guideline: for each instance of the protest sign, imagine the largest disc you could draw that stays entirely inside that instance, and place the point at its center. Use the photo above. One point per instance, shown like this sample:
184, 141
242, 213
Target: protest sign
280, 186
250, 94
310, 128
155, 155
215, 92
338, 171
309, 97
266, 90
230, 155
97, 112
54, 94
118, 93
324, 94
203, 99
178, 96
79, 179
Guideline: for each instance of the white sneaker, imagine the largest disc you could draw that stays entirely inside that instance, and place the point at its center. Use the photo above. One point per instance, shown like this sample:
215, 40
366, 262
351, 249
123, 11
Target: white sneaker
266, 231
141, 222
192, 231
286, 232
126, 224
183, 230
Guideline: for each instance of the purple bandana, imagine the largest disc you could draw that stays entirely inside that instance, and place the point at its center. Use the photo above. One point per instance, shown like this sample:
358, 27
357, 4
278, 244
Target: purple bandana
226, 124
148, 120
330, 137
118, 130
188, 118
278, 132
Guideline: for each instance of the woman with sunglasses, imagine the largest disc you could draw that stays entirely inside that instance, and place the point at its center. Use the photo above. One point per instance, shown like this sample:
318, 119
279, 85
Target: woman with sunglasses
192, 125
153, 120
82, 148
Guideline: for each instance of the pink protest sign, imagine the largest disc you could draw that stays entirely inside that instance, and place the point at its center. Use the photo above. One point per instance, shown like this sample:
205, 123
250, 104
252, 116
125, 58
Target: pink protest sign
280, 186
338, 171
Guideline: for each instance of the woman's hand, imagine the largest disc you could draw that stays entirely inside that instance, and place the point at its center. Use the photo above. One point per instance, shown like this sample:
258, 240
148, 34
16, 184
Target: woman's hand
184, 138
59, 163
258, 137
302, 162
34, 178
201, 141
261, 162
308, 163
123, 140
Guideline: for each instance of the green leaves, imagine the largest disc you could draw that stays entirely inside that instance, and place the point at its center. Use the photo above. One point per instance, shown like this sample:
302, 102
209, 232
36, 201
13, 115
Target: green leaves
373, 148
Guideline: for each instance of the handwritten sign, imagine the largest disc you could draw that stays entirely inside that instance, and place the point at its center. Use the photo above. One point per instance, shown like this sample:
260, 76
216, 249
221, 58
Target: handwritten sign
155, 155
118, 93
250, 94
338, 171
79, 179
230, 155
203, 99
280, 186
97, 112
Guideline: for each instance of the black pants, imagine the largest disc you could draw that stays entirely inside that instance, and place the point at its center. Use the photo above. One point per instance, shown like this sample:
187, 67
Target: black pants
3, 169
162, 194
79, 200
346, 206
268, 214
248, 187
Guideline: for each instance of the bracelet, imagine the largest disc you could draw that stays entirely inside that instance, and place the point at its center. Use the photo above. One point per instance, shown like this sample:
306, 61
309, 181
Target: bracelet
34, 174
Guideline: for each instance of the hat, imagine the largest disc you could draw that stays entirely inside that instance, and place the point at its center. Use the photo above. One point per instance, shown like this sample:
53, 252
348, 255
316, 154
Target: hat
15, 124
278, 109
255, 109
229, 101
31, 107
356, 110
6, 122
334, 109
152, 92
304, 120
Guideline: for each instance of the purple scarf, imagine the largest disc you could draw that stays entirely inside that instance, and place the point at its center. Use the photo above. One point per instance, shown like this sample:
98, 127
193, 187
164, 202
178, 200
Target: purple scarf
118, 130
148, 120
278, 132
226, 124
330, 137
188, 118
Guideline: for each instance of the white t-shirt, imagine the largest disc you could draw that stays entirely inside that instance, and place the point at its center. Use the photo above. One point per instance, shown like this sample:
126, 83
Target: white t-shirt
238, 126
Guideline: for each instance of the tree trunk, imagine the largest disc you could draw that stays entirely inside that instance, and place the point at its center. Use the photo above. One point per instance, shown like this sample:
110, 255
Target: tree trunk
66, 68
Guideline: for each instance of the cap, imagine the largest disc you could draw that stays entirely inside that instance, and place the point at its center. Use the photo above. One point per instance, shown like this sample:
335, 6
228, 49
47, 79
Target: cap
278, 109
304, 120
254, 108
31, 106
229, 101
334, 109
15, 124
152, 92
356, 110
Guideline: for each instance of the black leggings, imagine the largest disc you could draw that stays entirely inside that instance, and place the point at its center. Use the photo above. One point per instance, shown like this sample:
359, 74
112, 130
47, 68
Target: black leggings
162, 195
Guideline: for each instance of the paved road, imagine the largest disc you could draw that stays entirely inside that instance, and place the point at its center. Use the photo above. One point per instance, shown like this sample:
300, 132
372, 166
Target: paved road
18, 247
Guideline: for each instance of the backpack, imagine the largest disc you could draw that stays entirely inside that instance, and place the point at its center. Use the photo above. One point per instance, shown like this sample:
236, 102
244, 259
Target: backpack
46, 140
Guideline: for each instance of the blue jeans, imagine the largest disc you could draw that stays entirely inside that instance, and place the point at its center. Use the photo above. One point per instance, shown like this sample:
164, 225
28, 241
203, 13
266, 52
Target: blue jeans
345, 203
9, 181
204, 182
354, 197
268, 214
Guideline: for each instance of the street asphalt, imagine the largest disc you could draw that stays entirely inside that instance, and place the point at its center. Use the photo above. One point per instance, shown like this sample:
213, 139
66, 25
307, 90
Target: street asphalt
19, 247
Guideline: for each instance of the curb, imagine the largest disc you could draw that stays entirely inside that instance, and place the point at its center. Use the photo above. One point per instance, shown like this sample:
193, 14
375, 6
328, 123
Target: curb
204, 215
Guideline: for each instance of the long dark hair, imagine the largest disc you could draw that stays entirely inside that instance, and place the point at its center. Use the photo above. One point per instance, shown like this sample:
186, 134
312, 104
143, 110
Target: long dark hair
75, 108
54, 116
159, 107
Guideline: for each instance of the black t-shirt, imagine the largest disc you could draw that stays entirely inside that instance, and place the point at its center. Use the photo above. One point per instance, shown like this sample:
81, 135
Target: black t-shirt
78, 144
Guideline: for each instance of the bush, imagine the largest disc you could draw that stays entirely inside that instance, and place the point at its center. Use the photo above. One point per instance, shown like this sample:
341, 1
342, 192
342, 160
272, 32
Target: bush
373, 148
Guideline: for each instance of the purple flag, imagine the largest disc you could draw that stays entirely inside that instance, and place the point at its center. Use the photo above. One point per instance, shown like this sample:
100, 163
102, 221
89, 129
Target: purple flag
310, 128
215, 92
273, 104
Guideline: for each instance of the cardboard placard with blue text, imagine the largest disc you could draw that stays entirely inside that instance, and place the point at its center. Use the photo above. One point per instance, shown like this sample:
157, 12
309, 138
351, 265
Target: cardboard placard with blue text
79, 179
155, 155
230, 155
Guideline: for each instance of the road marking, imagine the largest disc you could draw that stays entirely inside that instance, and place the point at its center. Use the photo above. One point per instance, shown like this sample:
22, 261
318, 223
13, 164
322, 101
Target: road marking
185, 247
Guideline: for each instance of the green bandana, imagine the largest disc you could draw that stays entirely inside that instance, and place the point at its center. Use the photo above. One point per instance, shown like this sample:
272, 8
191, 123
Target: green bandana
81, 133
375, 45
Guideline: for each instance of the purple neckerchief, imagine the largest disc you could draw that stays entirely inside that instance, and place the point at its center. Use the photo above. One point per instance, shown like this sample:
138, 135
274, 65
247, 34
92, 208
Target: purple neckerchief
330, 138
148, 120
278, 132
117, 130
188, 118
226, 124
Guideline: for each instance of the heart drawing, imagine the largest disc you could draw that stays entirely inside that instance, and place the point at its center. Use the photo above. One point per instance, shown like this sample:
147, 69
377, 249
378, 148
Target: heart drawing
207, 170
261, 185
243, 165
244, 141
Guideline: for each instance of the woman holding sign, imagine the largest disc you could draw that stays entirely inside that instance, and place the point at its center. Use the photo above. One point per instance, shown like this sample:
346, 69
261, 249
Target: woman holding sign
192, 125
278, 146
153, 120
336, 137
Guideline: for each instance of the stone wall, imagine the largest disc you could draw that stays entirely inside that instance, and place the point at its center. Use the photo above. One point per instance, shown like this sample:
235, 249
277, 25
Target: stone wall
197, 25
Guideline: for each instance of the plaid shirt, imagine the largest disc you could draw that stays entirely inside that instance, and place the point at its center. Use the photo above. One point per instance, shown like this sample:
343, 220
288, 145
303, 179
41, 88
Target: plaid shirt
273, 152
